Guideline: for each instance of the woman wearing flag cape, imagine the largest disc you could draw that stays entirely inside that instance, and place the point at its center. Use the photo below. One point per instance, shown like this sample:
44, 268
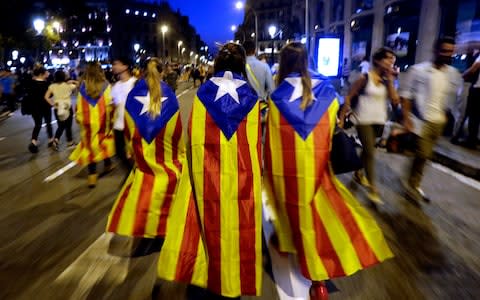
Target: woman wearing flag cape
94, 116
225, 257
153, 131
315, 216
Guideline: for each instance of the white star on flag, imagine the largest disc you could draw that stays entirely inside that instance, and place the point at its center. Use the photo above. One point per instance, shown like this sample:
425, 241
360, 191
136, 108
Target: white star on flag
296, 82
145, 100
227, 85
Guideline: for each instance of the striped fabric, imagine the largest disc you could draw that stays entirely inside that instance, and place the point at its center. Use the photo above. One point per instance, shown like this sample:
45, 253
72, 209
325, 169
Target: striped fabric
95, 119
225, 158
143, 205
316, 217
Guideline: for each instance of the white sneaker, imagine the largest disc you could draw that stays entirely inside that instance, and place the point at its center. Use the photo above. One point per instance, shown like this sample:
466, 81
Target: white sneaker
422, 194
375, 198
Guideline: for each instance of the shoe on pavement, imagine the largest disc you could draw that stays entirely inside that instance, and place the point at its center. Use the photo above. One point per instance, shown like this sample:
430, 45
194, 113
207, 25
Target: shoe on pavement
422, 194
71, 144
92, 180
412, 192
375, 198
33, 148
361, 179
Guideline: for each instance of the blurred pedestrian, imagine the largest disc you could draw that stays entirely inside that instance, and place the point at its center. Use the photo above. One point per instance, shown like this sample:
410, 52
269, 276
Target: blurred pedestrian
8, 82
153, 131
428, 90
364, 65
346, 68
314, 212
39, 108
473, 104
59, 95
259, 74
372, 92
170, 77
122, 69
95, 112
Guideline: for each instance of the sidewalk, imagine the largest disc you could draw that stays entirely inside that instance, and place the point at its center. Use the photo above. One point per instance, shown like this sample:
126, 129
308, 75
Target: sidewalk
460, 159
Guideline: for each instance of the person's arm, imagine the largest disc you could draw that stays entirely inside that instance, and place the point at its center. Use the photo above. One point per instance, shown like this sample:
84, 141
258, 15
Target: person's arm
354, 91
406, 95
48, 97
471, 71
270, 86
392, 92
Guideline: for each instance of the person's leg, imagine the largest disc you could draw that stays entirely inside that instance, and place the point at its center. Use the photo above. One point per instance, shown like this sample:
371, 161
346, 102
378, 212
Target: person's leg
37, 118
366, 135
11, 99
47, 116
92, 175
474, 118
68, 127
424, 150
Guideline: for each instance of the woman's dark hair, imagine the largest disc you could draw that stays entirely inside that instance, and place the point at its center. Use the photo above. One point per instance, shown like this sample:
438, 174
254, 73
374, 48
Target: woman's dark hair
59, 77
39, 71
380, 54
232, 58
293, 59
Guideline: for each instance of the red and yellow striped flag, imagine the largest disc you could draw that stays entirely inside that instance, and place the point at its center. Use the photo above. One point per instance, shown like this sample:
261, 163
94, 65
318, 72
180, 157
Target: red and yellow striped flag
158, 149
224, 132
95, 119
316, 217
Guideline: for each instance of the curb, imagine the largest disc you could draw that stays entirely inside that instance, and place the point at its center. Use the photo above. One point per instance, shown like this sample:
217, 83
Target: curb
456, 165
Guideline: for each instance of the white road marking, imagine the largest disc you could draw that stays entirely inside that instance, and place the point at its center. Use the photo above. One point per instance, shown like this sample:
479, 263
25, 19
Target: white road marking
184, 92
466, 180
60, 172
45, 124
2, 138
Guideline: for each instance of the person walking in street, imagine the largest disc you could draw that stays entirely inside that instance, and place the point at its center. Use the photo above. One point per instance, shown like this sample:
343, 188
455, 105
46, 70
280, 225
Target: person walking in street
372, 91
122, 68
314, 215
473, 104
346, 69
224, 161
364, 65
171, 77
95, 112
153, 131
59, 95
259, 75
40, 109
8, 82
427, 91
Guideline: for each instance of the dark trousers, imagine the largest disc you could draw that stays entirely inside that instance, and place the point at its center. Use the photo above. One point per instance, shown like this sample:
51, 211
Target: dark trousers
473, 114
10, 100
38, 116
120, 149
64, 126
92, 168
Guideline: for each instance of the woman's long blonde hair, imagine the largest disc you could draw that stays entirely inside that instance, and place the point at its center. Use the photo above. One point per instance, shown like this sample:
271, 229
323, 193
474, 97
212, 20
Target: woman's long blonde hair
153, 75
94, 79
293, 59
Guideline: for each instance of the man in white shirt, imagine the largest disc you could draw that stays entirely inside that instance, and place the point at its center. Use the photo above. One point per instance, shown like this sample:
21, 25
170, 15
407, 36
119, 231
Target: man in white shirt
122, 69
429, 89
364, 66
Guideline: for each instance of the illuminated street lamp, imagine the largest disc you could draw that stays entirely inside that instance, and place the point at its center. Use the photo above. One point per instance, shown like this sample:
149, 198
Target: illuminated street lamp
233, 28
136, 47
22, 60
39, 25
272, 30
178, 49
14, 55
164, 30
240, 5
56, 26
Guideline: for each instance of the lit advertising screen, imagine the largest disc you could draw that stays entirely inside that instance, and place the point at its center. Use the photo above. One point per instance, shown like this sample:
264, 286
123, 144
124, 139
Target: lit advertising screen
328, 59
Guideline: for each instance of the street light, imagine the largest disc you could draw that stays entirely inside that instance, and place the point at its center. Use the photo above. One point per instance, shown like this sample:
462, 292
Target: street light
272, 30
14, 54
136, 47
22, 60
56, 26
164, 30
240, 5
178, 49
39, 25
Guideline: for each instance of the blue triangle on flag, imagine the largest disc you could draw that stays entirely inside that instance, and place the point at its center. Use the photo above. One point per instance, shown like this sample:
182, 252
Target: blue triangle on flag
90, 100
304, 121
226, 112
150, 127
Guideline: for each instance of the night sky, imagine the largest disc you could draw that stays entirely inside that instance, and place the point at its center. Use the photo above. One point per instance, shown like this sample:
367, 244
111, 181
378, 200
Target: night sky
211, 18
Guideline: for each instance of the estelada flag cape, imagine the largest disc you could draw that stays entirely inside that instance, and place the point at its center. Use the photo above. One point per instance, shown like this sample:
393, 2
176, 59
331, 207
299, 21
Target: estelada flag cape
158, 149
95, 119
224, 140
316, 217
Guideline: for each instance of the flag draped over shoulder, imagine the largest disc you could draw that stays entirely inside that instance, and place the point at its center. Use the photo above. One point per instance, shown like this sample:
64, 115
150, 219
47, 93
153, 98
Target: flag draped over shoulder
224, 135
95, 119
316, 217
143, 205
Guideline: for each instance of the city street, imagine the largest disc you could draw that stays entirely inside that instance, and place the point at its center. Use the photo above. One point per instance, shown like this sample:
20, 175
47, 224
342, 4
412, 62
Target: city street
53, 245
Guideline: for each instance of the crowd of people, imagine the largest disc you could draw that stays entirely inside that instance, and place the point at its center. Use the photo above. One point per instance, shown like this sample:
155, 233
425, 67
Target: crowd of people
200, 193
